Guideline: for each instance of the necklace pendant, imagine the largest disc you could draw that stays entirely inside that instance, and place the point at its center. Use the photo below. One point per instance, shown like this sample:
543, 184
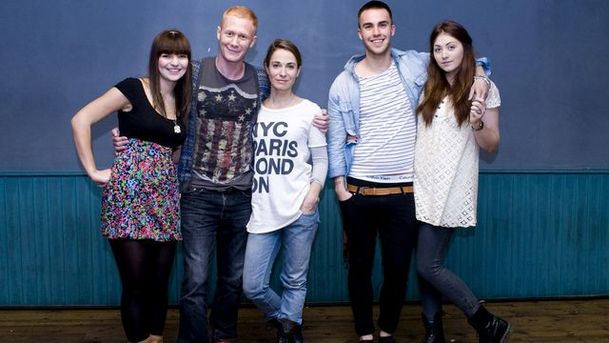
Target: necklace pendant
177, 129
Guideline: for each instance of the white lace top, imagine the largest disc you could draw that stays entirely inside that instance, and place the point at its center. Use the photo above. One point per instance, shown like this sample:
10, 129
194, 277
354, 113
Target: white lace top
446, 168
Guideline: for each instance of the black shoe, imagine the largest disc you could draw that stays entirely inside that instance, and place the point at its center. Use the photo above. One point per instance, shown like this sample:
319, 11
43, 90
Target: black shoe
387, 339
496, 330
434, 331
289, 332
272, 325
490, 328
297, 336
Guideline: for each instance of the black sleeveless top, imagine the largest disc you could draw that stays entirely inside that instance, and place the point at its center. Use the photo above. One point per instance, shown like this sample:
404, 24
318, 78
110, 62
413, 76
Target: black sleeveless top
143, 121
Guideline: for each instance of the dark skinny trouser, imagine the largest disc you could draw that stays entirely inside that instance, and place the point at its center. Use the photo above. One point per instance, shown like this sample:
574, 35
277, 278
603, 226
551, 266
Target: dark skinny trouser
435, 279
392, 217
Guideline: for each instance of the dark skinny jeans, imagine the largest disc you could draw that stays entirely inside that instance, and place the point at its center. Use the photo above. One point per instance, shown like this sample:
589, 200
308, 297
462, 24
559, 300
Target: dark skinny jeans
392, 217
435, 279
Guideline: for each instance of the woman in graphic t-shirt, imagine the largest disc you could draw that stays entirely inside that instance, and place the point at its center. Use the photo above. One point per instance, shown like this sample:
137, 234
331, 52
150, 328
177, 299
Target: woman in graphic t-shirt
285, 194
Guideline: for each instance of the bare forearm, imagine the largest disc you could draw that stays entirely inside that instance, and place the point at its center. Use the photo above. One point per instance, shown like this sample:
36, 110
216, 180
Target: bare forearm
82, 141
488, 136
487, 139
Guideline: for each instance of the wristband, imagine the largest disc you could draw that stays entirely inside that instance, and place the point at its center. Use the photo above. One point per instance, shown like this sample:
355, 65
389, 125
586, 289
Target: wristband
479, 127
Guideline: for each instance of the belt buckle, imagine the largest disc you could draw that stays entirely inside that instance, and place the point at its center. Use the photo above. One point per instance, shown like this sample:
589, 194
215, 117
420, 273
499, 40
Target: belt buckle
363, 190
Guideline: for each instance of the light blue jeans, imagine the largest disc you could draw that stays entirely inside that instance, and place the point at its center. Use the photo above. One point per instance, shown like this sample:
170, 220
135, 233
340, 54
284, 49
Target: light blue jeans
260, 253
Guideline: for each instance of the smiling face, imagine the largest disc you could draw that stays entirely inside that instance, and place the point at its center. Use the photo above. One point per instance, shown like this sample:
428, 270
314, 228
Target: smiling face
375, 30
448, 54
283, 70
235, 35
172, 66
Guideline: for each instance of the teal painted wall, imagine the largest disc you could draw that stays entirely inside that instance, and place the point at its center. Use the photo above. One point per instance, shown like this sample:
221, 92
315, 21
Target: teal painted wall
540, 234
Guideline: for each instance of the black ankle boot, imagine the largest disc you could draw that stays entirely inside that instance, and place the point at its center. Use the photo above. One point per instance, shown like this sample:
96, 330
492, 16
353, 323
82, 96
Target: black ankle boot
490, 328
297, 336
272, 325
289, 332
434, 331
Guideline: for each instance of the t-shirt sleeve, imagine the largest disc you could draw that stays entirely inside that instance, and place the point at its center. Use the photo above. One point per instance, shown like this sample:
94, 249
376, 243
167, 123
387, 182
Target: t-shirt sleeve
493, 100
128, 87
316, 137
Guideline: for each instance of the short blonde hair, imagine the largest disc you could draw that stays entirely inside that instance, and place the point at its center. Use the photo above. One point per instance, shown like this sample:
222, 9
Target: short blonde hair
241, 12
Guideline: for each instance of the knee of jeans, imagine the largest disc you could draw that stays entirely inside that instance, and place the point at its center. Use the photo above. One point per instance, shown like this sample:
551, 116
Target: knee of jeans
232, 279
294, 282
254, 289
295, 285
428, 270
194, 283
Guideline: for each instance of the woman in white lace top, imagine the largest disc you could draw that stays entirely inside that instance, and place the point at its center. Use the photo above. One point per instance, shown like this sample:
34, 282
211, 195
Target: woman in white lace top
450, 131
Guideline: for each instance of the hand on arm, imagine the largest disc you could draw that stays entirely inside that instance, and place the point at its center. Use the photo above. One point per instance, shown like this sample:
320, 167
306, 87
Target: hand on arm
481, 86
111, 101
321, 121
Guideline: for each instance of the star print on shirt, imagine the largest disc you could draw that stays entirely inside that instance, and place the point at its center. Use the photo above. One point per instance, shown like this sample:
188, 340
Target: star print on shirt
232, 97
219, 98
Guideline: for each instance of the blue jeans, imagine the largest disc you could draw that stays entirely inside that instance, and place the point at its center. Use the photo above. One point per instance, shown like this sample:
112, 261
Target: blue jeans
297, 240
435, 279
212, 218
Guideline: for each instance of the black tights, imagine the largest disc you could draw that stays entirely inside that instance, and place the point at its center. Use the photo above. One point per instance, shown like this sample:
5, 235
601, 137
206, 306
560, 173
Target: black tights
144, 267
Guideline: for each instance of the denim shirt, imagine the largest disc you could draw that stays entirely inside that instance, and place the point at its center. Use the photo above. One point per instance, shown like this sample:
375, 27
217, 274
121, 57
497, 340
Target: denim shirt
186, 155
343, 105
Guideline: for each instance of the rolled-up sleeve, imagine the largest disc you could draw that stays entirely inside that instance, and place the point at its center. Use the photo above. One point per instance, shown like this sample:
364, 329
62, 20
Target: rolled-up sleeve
336, 137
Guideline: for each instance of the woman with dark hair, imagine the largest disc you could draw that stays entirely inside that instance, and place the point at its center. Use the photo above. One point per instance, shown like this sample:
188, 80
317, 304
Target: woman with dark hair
140, 200
285, 194
450, 132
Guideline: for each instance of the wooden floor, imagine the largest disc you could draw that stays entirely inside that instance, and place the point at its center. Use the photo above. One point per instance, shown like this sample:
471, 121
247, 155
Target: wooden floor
539, 321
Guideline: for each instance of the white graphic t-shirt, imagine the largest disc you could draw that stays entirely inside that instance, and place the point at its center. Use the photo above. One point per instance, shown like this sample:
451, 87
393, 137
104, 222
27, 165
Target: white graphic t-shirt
282, 173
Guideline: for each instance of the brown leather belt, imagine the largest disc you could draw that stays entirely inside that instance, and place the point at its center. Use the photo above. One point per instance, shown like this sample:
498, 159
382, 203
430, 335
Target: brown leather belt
378, 191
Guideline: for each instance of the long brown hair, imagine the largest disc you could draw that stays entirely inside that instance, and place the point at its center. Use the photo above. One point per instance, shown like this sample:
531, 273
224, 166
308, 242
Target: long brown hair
170, 42
437, 86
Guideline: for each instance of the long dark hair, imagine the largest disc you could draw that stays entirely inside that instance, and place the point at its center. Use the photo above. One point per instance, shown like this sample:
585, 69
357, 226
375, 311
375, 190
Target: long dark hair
437, 86
170, 42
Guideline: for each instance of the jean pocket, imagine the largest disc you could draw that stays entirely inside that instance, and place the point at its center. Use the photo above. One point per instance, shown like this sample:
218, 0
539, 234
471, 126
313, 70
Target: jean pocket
347, 200
311, 217
246, 193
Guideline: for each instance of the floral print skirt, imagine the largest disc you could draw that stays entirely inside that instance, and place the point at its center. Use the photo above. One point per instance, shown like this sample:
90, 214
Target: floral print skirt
141, 199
